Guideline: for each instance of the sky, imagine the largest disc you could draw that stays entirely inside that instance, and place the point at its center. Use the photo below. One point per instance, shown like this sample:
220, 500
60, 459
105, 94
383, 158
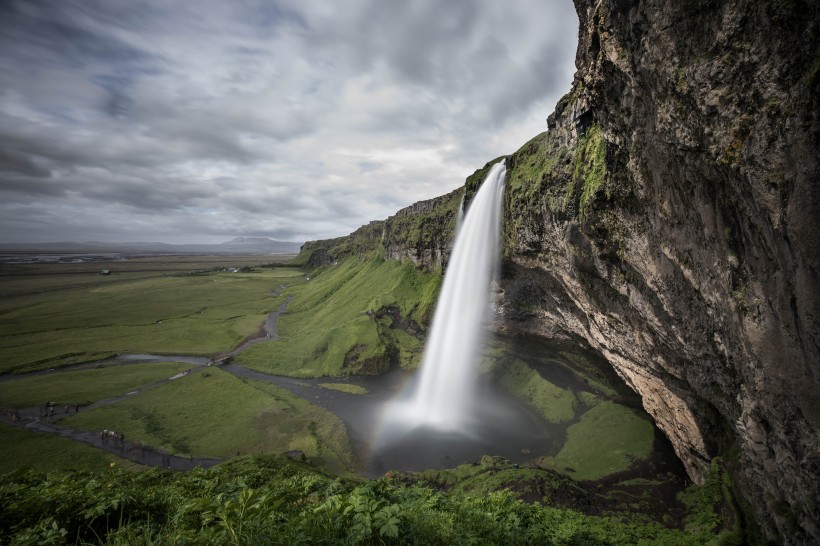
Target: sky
197, 122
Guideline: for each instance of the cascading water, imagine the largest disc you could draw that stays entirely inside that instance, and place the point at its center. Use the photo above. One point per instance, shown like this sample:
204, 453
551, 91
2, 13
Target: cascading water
444, 395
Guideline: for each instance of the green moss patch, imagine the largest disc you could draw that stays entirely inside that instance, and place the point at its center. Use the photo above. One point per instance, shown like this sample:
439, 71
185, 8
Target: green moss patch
608, 438
552, 403
589, 166
344, 387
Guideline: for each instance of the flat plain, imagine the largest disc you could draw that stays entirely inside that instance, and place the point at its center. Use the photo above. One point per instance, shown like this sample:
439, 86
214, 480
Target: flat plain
53, 315
357, 316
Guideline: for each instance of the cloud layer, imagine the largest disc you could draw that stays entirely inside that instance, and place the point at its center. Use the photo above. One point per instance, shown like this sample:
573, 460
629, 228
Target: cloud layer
201, 121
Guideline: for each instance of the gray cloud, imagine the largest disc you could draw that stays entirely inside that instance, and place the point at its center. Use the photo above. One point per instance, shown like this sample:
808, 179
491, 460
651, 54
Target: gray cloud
283, 118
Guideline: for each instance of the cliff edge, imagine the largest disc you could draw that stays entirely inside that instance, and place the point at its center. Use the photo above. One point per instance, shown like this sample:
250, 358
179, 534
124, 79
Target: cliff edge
670, 218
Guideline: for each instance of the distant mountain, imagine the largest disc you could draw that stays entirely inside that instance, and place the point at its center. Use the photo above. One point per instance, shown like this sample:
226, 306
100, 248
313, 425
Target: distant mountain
239, 245
259, 244
250, 241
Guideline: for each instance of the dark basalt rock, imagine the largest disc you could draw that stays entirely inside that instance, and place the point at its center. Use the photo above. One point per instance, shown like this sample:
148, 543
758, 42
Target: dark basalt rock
694, 266
671, 218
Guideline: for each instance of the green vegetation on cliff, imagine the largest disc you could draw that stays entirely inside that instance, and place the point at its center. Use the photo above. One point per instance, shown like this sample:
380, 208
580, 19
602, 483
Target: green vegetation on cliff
547, 176
589, 166
538, 175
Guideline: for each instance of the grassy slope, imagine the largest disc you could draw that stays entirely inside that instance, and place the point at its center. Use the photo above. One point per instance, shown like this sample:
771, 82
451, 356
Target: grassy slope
607, 439
551, 402
334, 312
214, 413
604, 436
39, 451
184, 315
83, 386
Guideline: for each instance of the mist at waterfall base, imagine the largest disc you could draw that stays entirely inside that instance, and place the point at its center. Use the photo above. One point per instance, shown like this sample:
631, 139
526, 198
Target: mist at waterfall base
449, 413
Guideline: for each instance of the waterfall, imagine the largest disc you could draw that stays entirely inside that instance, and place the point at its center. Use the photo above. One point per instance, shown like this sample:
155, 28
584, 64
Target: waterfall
444, 395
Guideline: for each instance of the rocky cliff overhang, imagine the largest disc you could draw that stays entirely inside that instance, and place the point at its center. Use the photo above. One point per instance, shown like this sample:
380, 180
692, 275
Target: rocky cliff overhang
670, 218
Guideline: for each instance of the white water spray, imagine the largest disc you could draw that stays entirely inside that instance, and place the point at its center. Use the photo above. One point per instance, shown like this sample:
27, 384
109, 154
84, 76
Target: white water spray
444, 395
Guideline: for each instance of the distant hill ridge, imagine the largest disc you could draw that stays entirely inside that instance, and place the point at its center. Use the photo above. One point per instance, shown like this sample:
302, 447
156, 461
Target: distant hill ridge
238, 245
251, 241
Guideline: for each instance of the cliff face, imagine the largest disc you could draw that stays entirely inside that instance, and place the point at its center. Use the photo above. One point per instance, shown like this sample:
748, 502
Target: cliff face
670, 217
421, 233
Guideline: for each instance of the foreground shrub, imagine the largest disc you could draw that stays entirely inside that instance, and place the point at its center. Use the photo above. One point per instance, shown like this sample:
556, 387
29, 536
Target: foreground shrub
272, 500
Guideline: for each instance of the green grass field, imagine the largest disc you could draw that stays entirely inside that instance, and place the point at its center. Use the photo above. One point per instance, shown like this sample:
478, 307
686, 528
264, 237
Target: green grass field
214, 413
188, 314
29, 279
83, 386
333, 316
40, 451
347, 318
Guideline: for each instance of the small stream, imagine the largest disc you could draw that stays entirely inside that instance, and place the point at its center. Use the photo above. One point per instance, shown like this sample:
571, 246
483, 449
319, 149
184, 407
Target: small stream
147, 357
501, 425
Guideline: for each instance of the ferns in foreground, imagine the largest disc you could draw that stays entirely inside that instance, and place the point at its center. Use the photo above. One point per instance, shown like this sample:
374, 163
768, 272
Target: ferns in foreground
272, 500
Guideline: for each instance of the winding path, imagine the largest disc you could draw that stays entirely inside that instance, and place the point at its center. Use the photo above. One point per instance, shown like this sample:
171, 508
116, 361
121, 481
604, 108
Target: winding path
133, 451
31, 418
269, 328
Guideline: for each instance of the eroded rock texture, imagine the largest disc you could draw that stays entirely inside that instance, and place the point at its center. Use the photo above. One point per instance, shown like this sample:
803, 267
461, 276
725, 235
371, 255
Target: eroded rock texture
670, 218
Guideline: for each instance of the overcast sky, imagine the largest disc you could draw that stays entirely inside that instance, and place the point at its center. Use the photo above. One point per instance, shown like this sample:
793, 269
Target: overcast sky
159, 120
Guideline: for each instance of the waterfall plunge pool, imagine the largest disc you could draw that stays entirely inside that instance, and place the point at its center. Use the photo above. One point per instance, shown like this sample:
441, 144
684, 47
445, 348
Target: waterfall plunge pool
551, 404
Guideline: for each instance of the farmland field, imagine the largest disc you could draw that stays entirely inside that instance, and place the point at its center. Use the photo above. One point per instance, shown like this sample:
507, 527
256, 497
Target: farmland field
56, 315
50, 319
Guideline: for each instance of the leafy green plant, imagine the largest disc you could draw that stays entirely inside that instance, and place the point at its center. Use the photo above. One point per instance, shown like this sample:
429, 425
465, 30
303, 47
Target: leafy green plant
273, 500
